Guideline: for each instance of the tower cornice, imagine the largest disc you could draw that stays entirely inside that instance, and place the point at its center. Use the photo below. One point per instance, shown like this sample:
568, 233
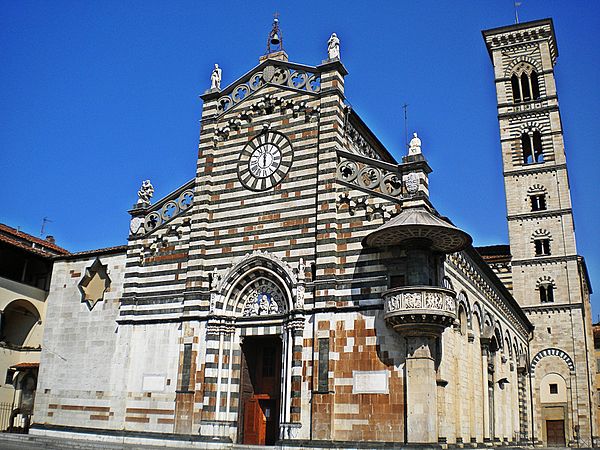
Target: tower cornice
541, 168
507, 36
529, 111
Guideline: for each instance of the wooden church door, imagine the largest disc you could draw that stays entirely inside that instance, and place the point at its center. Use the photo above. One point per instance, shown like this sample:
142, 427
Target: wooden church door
260, 391
254, 423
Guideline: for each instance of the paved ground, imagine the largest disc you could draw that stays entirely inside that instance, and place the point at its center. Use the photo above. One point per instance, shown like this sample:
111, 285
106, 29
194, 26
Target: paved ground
28, 442
24, 442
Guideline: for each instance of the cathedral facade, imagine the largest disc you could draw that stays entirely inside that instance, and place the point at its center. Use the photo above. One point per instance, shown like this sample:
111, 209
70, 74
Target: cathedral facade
303, 290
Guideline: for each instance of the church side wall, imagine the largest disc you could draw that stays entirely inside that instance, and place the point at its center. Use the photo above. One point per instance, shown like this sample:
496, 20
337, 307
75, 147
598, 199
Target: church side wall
80, 357
494, 368
97, 373
151, 378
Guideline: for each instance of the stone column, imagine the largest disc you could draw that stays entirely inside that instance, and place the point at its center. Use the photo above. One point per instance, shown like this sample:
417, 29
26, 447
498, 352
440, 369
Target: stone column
296, 371
523, 401
291, 404
421, 393
219, 375
484, 388
212, 424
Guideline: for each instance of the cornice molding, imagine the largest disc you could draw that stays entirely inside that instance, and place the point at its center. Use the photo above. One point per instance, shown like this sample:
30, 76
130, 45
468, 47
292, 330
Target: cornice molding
540, 214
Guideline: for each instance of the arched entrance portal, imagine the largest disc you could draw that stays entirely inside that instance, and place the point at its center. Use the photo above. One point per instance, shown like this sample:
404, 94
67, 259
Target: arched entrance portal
259, 299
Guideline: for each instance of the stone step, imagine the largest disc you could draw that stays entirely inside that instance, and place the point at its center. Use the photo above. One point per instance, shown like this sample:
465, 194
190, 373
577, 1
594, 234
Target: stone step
28, 442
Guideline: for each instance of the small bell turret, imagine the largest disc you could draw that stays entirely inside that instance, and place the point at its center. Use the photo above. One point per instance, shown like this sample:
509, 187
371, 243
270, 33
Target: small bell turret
275, 37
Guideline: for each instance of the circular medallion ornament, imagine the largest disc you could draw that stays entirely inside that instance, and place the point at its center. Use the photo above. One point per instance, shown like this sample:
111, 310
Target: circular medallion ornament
268, 73
265, 161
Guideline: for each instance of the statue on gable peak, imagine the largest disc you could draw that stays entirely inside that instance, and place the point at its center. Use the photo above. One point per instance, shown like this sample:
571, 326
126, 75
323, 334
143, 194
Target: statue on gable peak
333, 47
145, 194
215, 78
414, 146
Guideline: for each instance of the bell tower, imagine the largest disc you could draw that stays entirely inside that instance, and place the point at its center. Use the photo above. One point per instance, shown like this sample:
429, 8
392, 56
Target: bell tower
548, 276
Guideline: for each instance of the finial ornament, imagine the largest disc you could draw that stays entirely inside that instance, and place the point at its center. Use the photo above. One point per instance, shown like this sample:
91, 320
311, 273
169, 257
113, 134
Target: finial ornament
333, 47
414, 146
145, 194
275, 37
215, 78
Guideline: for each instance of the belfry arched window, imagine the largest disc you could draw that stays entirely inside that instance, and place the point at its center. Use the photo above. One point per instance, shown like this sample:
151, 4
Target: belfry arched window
537, 197
515, 83
531, 145
541, 242
546, 293
525, 84
542, 247
546, 288
538, 202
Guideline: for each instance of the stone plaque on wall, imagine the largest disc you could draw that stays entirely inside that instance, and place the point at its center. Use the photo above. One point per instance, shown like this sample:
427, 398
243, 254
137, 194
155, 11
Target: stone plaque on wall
153, 383
370, 382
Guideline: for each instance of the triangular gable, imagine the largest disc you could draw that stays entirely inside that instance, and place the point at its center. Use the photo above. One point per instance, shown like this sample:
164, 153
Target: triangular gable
289, 76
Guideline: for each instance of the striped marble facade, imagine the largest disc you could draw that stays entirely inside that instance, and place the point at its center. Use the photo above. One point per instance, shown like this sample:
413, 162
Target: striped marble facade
172, 345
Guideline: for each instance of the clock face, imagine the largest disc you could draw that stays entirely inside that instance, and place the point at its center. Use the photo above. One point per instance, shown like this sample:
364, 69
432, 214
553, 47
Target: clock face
265, 161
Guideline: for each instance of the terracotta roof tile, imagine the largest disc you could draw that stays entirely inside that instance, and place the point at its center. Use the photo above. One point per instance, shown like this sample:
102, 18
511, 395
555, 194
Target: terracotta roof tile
26, 365
492, 253
100, 251
28, 242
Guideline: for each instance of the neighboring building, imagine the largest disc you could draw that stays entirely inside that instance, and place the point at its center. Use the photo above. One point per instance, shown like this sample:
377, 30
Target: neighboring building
302, 288
25, 270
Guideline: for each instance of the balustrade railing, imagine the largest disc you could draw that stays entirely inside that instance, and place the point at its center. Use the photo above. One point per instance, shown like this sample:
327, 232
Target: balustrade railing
169, 207
424, 304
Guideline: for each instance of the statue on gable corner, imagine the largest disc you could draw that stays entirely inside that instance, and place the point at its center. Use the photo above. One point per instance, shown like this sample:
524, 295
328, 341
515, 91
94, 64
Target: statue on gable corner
145, 194
414, 146
333, 47
215, 78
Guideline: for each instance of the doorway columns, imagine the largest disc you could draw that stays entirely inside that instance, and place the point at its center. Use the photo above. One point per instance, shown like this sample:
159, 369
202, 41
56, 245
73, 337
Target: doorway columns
292, 380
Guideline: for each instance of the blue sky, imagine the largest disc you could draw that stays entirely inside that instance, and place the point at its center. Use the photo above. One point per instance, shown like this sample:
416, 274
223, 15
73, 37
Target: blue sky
97, 96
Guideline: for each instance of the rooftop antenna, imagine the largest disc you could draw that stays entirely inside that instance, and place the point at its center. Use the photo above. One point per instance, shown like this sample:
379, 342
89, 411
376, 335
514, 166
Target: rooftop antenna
405, 107
517, 4
44, 222
275, 36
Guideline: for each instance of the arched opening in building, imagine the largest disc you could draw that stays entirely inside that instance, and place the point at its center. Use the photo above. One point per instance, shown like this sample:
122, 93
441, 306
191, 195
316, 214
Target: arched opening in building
546, 292
19, 320
538, 202
531, 145
260, 294
553, 396
462, 320
525, 87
